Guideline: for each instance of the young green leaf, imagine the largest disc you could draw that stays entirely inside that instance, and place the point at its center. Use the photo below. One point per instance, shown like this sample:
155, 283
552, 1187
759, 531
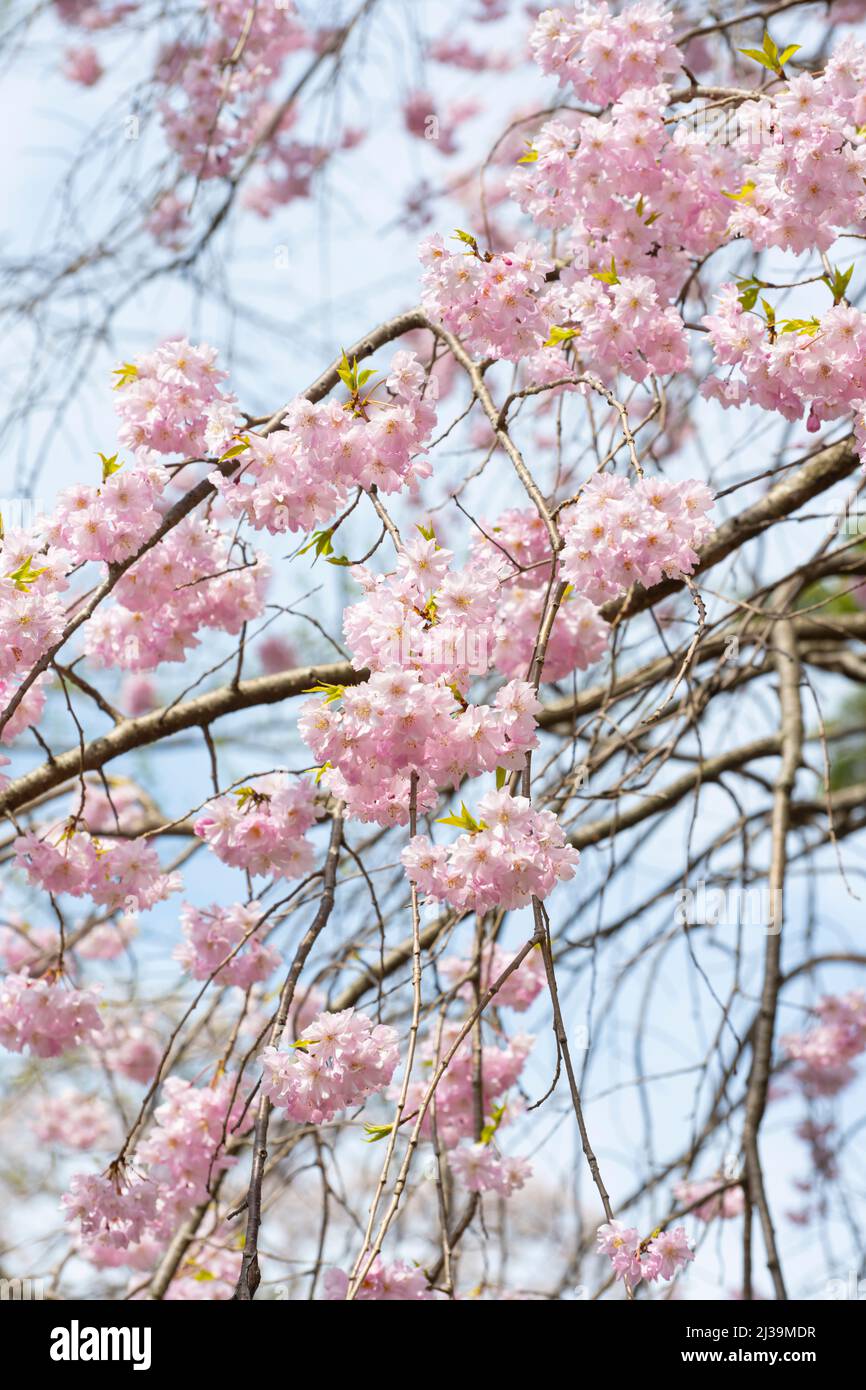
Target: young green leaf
330, 692
376, 1132
465, 821
467, 238
236, 449
320, 541
109, 465
25, 574
125, 374
559, 335
744, 195
608, 277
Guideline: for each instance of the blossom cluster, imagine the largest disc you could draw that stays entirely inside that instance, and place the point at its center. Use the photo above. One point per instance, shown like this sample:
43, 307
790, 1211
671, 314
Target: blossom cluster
113, 521
624, 327
517, 550
602, 54
130, 1047
632, 1259
29, 709
170, 401
47, 1015
804, 185
115, 1211
125, 874
213, 934
818, 364
262, 828
74, 1120
183, 1149
386, 1283
480, 1168
620, 533
522, 986
303, 473
724, 1204
666, 205
31, 612
217, 104
342, 1059
824, 1053
396, 724
192, 580
172, 1171
425, 616
512, 854
490, 301
502, 1061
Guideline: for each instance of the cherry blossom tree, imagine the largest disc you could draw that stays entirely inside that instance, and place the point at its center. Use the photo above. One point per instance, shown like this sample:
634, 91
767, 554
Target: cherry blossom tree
505, 663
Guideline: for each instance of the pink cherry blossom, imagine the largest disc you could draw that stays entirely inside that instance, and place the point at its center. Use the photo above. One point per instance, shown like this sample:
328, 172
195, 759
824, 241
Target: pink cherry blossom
342, 1059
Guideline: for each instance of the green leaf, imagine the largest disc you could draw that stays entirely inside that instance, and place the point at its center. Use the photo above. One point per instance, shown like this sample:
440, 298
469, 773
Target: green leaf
320, 542
608, 277
125, 374
749, 287
109, 465
759, 57
769, 56
561, 335
377, 1132
838, 283
530, 157
330, 692
427, 532
809, 326
344, 370
236, 449
248, 794
320, 772
493, 1123
203, 1276
770, 313
467, 238
501, 778
351, 378
744, 195
25, 575
465, 821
